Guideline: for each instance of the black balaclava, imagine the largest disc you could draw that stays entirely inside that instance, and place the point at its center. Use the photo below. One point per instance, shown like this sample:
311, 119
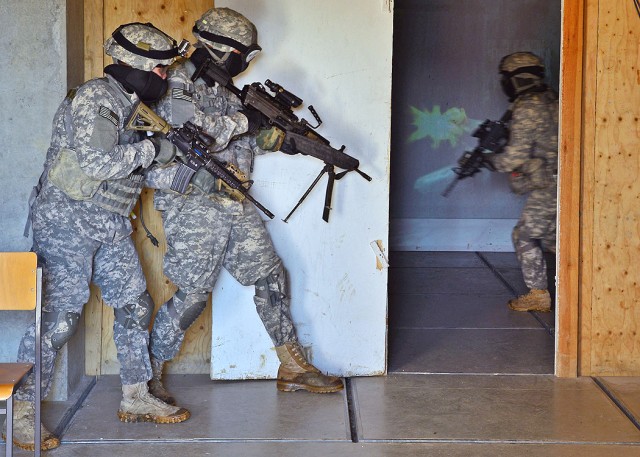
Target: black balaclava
233, 63
507, 87
146, 84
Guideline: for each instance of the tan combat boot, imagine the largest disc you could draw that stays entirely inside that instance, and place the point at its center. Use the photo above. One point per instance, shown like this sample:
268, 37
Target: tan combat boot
156, 388
24, 431
536, 300
138, 405
295, 373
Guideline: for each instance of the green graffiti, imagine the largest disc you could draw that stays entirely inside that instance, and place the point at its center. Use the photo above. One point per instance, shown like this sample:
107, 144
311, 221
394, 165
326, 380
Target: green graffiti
448, 126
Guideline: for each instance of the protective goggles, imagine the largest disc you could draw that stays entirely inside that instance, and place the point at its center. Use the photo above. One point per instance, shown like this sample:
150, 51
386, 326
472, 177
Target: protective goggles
248, 53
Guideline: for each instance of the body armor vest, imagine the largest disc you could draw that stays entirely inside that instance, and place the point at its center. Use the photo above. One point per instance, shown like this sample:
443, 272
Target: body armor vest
117, 195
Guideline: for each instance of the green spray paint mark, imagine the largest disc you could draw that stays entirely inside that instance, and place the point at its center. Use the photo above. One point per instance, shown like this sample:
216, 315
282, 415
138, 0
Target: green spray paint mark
423, 183
448, 126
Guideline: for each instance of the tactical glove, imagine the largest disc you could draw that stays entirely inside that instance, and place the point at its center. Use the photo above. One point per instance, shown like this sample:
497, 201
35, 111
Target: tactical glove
205, 181
165, 150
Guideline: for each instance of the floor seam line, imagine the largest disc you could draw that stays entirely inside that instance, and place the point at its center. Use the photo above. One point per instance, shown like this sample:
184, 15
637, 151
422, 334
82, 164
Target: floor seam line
497, 274
500, 441
616, 402
514, 292
351, 409
66, 419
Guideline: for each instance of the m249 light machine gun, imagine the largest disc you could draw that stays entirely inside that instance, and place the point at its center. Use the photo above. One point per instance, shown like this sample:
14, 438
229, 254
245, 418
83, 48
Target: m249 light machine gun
492, 138
193, 145
300, 135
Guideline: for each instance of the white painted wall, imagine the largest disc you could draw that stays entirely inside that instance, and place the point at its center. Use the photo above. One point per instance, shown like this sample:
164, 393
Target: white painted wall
336, 56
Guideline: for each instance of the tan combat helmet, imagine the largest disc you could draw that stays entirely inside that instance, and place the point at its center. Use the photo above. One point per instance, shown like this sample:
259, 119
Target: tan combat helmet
225, 30
521, 71
141, 46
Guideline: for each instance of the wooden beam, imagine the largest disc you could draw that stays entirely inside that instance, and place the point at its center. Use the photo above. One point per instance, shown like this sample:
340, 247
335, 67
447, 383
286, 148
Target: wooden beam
568, 268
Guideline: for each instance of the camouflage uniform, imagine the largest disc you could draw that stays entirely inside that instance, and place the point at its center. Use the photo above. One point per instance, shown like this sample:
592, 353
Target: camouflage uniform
208, 231
534, 135
86, 237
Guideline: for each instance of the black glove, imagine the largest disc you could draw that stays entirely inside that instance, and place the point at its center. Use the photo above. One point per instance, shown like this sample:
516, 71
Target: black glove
254, 117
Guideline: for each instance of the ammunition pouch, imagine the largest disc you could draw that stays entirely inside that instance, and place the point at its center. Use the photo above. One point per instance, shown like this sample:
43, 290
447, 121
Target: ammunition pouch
65, 173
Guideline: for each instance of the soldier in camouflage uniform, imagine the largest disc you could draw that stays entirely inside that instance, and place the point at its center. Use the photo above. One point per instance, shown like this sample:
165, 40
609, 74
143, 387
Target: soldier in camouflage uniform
531, 156
208, 229
93, 175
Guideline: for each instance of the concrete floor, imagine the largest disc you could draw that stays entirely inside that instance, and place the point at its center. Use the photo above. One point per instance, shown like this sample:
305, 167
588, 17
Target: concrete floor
467, 377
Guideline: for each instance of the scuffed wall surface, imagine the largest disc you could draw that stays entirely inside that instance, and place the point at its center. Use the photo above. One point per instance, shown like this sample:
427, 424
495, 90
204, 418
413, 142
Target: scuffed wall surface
32, 84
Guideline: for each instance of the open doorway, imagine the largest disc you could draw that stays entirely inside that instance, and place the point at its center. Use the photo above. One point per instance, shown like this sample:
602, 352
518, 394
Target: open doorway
453, 268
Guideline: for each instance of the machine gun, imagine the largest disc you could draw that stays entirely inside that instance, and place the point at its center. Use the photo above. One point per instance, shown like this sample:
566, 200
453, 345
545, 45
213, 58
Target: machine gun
492, 137
194, 147
300, 135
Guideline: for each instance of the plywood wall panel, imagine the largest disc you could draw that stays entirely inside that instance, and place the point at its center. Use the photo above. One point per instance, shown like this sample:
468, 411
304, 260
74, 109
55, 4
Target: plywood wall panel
586, 173
615, 307
176, 18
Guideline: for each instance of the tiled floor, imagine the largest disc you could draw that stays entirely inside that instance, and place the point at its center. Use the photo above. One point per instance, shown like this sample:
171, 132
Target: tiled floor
466, 377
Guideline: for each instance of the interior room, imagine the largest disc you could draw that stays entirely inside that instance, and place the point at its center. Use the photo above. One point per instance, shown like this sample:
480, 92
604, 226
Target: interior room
402, 293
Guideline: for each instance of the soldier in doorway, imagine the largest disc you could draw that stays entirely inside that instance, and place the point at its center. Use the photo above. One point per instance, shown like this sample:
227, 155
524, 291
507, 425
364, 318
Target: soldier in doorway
92, 178
208, 229
531, 158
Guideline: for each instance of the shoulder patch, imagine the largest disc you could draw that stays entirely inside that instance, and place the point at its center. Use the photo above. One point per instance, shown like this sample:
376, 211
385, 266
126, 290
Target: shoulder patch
109, 115
181, 94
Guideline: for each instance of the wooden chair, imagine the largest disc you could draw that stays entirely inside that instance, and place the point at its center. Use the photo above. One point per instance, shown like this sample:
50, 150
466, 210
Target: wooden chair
20, 289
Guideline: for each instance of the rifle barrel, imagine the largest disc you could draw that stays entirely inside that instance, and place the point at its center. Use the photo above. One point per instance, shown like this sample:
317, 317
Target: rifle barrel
451, 185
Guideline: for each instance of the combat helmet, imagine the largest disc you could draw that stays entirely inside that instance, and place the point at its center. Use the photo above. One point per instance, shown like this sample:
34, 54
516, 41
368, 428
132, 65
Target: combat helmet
521, 71
225, 30
141, 46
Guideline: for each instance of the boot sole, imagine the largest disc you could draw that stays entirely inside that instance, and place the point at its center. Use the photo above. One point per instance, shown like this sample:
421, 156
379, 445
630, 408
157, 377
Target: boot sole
49, 443
284, 386
539, 310
181, 416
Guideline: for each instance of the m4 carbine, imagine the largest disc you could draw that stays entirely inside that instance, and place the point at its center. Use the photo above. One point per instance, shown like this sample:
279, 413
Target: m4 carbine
492, 138
193, 145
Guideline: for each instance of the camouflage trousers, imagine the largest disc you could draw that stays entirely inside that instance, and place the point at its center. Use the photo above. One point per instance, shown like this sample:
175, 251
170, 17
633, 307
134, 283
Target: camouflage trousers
71, 260
203, 237
535, 234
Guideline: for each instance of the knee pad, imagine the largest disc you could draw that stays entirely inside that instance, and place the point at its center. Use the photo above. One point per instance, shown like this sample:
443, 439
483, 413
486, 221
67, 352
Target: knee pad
136, 314
63, 326
273, 287
190, 307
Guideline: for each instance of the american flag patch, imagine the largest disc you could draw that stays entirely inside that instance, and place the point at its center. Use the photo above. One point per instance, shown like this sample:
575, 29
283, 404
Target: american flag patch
181, 94
109, 115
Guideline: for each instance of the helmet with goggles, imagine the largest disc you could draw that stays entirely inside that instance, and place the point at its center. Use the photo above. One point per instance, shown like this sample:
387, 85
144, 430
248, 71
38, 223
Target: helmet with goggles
521, 72
142, 46
224, 32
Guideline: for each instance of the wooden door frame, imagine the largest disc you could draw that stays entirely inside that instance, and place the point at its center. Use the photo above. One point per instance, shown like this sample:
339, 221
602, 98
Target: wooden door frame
571, 236
571, 145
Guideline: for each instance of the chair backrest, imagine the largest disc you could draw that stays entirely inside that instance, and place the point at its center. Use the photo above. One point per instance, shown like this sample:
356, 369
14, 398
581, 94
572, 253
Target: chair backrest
18, 280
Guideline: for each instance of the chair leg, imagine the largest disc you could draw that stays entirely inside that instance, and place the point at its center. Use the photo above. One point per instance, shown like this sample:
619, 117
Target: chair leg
9, 444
